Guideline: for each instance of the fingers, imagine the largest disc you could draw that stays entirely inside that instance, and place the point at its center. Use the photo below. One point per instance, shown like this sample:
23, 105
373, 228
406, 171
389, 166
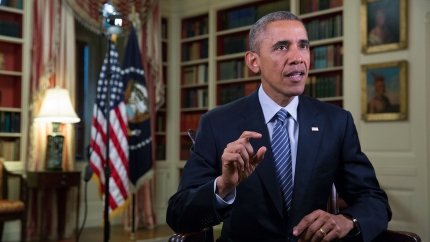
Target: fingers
318, 226
241, 151
305, 223
250, 134
237, 158
259, 156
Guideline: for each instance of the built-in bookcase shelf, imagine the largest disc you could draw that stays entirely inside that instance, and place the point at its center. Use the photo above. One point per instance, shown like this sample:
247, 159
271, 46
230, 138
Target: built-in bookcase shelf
194, 77
12, 40
161, 130
324, 22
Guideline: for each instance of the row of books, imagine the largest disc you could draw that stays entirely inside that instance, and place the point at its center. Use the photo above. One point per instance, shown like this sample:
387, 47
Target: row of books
326, 56
9, 149
160, 151
195, 74
324, 28
230, 93
195, 51
193, 27
236, 44
10, 122
309, 6
249, 15
11, 3
185, 148
325, 86
9, 28
234, 69
190, 121
160, 125
195, 98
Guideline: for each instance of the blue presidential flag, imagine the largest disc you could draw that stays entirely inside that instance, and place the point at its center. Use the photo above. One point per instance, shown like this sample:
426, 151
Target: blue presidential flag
139, 128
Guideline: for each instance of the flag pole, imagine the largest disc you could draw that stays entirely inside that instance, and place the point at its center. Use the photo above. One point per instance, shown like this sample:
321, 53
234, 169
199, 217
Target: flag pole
133, 203
107, 170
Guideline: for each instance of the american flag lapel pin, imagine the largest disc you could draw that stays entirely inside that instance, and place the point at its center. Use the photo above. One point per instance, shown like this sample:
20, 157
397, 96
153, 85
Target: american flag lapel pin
315, 129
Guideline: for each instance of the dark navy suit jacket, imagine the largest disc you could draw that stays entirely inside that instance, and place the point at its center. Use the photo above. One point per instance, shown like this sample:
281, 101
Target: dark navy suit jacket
330, 155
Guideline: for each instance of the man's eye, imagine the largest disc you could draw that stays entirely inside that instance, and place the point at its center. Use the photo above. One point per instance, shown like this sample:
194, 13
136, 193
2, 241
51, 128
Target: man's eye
304, 46
282, 47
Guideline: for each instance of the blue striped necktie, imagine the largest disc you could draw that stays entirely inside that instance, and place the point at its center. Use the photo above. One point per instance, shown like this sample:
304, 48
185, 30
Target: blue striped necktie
282, 156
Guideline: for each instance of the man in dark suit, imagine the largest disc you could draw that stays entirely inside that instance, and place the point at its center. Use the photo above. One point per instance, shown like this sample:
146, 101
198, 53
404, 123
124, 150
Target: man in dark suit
232, 175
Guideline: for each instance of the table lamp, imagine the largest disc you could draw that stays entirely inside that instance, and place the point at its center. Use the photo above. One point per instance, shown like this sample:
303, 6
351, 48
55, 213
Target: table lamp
56, 108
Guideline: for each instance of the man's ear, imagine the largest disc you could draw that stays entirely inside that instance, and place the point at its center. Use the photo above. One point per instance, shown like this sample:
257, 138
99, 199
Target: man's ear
252, 61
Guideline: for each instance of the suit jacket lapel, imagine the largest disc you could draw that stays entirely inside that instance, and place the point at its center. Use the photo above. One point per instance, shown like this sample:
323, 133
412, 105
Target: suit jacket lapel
307, 149
254, 121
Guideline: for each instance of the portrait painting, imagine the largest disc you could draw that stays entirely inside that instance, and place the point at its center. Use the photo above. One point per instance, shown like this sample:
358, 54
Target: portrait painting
383, 25
384, 91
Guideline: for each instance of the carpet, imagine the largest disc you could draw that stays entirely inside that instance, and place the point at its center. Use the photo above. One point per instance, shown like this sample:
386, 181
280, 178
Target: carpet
161, 239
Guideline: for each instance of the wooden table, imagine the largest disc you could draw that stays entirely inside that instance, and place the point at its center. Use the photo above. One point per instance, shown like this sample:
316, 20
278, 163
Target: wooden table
61, 181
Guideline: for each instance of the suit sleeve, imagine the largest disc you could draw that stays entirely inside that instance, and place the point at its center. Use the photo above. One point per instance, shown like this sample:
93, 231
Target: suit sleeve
357, 184
192, 207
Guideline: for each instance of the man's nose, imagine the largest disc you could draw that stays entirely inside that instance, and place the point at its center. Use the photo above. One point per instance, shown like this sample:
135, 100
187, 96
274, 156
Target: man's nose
296, 56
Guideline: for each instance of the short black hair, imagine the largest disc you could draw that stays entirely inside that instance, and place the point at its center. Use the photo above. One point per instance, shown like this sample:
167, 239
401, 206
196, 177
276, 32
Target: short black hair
260, 26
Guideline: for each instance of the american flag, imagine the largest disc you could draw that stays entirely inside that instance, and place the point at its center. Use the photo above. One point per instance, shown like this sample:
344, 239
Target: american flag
118, 144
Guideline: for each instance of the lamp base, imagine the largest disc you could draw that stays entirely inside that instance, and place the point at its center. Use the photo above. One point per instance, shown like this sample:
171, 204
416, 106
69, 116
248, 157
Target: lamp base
54, 151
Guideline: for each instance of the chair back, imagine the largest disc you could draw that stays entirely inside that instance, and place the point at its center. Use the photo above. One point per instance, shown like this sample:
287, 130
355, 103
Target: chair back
192, 135
12, 209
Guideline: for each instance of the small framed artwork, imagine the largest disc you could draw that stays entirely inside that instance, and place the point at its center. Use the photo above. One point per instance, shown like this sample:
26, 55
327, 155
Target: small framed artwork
384, 91
383, 25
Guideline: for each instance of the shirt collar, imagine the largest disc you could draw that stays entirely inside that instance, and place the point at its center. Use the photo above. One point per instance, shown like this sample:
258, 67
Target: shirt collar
270, 108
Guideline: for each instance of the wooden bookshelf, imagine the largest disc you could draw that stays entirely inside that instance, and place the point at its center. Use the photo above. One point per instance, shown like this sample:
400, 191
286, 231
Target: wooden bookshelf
233, 77
213, 43
324, 22
194, 76
12, 75
161, 115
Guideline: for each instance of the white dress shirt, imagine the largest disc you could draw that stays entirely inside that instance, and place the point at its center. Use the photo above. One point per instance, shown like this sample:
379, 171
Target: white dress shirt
270, 109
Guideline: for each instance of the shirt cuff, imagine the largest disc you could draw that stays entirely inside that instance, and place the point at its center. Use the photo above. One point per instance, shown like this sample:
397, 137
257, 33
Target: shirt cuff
228, 200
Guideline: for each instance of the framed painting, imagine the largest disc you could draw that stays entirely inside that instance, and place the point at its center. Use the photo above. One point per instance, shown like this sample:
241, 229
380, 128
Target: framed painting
383, 25
384, 91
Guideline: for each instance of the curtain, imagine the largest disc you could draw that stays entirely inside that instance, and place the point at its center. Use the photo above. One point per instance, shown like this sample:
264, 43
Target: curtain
53, 64
87, 12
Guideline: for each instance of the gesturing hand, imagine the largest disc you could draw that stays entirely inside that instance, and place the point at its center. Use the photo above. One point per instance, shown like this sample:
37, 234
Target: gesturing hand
238, 162
322, 226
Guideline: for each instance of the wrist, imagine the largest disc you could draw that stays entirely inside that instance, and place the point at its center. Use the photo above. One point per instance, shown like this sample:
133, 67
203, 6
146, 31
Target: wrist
356, 229
222, 189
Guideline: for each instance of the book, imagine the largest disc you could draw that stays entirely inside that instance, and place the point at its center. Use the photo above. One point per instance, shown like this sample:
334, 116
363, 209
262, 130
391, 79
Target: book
8, 150
190, 75
2, 64
7, 122
202, 73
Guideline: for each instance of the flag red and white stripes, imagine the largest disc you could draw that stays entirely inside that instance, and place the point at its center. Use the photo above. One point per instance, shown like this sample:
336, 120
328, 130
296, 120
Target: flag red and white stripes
118, 144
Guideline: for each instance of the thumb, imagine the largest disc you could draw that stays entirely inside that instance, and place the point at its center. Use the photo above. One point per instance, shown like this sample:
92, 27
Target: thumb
259, 155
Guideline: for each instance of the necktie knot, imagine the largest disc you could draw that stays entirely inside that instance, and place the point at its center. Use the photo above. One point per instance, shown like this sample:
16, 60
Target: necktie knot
281, 116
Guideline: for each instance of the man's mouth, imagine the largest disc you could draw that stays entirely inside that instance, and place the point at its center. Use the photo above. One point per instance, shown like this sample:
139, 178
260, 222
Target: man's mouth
296, 74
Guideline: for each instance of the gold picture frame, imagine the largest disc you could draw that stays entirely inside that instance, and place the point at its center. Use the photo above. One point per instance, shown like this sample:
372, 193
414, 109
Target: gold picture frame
384, 91
383, 25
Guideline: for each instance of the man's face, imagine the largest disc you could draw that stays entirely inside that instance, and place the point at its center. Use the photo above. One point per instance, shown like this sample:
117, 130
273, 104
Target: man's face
379, 87
284, 60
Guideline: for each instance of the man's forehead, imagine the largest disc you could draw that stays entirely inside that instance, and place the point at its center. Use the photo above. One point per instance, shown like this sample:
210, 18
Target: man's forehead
276, 31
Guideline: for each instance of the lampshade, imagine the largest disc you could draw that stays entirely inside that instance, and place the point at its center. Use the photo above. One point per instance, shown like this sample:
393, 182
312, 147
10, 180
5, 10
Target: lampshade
57, 107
